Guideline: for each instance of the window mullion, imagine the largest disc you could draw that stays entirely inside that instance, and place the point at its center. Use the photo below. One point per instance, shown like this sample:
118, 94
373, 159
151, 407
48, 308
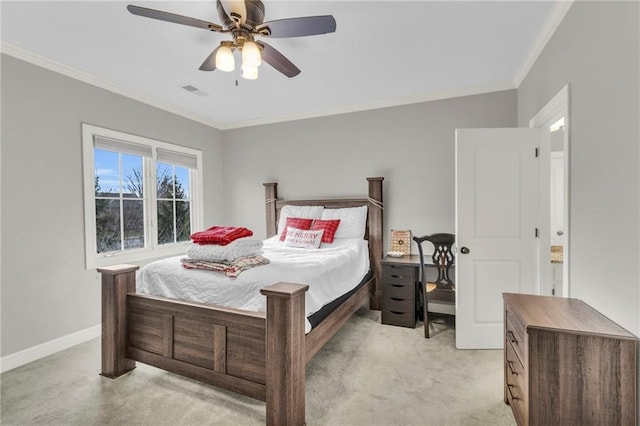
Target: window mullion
121, 199
175, 218
151, 191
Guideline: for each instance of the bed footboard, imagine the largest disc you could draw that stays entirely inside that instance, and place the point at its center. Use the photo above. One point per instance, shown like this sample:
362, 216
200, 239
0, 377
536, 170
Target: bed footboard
251, 353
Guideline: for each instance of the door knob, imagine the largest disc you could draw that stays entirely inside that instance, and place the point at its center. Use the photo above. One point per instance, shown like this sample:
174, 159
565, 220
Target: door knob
559, 232
464, 250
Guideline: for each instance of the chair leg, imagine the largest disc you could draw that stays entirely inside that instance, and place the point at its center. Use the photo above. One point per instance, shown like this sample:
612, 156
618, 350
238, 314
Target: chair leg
425, 313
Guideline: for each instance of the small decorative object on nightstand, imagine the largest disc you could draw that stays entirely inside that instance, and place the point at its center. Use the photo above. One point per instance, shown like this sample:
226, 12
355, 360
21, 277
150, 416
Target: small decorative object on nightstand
400, 242
399, 279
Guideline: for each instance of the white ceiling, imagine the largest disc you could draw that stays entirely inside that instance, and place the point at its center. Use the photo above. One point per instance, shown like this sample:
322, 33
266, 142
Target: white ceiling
383, 53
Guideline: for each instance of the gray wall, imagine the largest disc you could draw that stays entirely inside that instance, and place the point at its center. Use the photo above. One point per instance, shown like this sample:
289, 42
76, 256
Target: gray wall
596, 51
411, 146
46, 292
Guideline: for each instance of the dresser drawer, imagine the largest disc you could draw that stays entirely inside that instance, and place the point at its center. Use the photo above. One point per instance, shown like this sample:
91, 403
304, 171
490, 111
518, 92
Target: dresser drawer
398, 304
514, 371
518, 404
515, 334
403, 319
398, 274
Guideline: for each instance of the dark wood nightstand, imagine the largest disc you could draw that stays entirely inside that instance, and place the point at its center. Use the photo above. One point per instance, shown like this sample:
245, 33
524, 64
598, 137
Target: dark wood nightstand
399, 280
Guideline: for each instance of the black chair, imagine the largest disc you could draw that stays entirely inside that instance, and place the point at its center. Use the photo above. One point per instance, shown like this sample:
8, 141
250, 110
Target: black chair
437, 295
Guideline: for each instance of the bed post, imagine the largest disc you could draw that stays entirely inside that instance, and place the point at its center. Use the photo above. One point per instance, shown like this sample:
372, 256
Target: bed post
285, 354
117, 282
375, 238
270, 197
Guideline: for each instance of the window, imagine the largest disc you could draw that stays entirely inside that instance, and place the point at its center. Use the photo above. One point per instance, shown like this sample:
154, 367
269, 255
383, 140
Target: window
142, 196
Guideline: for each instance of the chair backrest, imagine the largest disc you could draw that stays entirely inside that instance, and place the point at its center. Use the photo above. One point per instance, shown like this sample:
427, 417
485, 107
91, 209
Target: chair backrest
442, 257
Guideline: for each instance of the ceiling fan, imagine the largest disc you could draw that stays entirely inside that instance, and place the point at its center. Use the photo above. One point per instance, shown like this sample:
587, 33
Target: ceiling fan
245, 21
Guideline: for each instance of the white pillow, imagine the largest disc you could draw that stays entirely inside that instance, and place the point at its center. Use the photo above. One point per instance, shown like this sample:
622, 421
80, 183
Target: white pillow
353, 221
305, 212
304, 239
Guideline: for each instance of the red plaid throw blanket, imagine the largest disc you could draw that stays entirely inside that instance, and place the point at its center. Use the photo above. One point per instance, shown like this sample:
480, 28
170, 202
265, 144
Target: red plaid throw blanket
221, 235
230, 269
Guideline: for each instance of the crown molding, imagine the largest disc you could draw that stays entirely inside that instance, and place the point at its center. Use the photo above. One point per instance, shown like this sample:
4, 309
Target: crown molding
554, 19
52, 65
88, 78
399, 101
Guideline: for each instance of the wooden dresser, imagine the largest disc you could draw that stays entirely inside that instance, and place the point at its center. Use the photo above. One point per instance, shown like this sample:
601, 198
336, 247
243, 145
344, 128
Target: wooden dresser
567, 364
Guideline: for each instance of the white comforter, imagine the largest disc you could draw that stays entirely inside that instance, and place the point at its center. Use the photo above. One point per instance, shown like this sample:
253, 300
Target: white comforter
330, 272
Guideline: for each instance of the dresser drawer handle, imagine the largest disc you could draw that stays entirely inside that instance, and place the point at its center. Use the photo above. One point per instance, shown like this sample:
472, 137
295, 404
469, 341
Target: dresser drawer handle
397, 276
512, 337
397, 285
396, 299
398, 313
509, 363
515, 398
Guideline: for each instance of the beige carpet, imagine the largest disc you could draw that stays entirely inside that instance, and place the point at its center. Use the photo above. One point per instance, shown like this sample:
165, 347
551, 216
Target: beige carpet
369, 374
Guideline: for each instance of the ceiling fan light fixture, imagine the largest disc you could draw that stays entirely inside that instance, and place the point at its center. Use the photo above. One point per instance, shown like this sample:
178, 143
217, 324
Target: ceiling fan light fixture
224, 59
250, 73
251, 54
244, 20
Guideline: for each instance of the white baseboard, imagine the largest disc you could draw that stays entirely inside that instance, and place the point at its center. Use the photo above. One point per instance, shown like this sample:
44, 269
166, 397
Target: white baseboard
33, 353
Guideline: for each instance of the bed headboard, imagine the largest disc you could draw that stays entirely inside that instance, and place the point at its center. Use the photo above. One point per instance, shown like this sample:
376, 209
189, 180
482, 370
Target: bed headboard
374, 222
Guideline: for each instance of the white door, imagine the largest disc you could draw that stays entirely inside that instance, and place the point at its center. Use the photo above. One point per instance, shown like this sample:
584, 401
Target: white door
497, 213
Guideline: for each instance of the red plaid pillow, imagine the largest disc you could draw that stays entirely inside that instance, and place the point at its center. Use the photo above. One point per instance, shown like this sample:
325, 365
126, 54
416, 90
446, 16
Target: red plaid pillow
330, 227
296, 222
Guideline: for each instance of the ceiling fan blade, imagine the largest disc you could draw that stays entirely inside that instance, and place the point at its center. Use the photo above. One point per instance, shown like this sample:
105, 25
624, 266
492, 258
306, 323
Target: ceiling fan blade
172, 17
209, 64
299, 27
277, 60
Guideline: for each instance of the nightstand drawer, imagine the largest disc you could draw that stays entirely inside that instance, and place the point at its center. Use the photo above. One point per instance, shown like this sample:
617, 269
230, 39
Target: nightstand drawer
398, 304
396, 274
403, 319
406, 291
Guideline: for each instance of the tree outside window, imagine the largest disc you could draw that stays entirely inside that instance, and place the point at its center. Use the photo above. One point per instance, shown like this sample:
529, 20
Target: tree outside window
119, 196
173, 206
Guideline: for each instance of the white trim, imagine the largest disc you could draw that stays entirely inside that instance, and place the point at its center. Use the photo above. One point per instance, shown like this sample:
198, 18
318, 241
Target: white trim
86, 77
69, 71
560, 106
399, 101
553, 110
554, 19
17, 359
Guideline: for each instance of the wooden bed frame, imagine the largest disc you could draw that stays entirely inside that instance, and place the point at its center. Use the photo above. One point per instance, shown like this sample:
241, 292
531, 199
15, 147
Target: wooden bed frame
260, 355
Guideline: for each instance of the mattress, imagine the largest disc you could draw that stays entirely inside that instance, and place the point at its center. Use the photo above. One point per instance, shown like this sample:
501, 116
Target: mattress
330, 271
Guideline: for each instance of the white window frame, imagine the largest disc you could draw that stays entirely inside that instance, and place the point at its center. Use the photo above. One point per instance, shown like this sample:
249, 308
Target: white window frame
152, 249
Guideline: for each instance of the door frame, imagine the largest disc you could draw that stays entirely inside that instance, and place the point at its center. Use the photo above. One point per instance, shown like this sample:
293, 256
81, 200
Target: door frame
556, 108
